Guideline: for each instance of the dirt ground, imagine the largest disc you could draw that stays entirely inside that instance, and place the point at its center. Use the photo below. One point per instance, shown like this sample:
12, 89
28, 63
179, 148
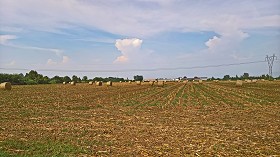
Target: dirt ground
208, 119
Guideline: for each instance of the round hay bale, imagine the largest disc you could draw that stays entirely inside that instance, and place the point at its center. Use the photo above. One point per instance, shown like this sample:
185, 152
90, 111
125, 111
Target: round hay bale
254, 81
216, 81
199, 81
90, 83
248, 81
99, 83
160, 83
239, 83
73, 83
129, 82
138, 82
6, 86
120, 81
109, 83
151, 83
185, 81
64, 83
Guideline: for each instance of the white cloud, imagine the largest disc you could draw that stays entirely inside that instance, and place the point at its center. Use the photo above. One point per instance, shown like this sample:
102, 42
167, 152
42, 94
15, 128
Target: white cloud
211, 43
140, 18
227, 42
130, 49
51, 62
121, 59
65, 59
5, 38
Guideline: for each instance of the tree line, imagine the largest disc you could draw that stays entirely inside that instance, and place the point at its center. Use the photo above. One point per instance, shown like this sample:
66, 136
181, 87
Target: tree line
245, 76
33, 77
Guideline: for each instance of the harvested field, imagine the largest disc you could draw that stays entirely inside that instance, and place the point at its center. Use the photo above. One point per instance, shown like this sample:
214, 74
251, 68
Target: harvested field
180, 119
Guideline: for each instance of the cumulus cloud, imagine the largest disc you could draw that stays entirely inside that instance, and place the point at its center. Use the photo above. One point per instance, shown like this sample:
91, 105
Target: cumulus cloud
51, 62
129, 48
227, 41
5, 38
65, 60
211, 43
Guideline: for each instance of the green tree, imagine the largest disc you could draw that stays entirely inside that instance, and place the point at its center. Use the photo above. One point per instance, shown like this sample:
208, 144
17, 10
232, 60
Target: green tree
75, 78
246, 75
66, 79
85, 79
226, 77
35, 77
56, 79
138, 78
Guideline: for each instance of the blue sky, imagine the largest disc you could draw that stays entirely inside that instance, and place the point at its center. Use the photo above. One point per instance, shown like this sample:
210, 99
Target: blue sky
79, 36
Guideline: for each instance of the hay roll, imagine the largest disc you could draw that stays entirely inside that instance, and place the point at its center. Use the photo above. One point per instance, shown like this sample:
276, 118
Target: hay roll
6, 86
73, 83
109, 83
185, 81
99, 83
239, 83
254, 81
138, 82
160, 83
199, 81
90, 83
151, 83
64, 83
129, 82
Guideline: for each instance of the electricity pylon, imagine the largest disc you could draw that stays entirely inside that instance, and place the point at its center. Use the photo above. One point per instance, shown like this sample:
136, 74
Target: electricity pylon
270, 63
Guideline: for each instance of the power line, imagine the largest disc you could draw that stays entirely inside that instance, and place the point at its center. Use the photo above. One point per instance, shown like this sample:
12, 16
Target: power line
139, 70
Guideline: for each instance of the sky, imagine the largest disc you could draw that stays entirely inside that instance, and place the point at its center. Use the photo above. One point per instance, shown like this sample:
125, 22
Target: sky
153, 38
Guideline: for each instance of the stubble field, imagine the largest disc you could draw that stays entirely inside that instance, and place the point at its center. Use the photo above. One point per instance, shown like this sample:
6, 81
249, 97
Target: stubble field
209, 119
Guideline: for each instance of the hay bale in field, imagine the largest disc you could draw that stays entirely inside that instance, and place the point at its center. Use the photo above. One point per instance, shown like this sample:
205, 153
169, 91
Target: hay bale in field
186, 81
199, 81
239, 83
216, 81
138, 82
99, 83
248, 81
129, 82
64, 83
160, 83
120, 81
151, 83
90, 83
73, 83
254, 81
6, 86
109, 83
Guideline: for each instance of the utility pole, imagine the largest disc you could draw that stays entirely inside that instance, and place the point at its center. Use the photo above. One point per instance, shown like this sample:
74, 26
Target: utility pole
270, 63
